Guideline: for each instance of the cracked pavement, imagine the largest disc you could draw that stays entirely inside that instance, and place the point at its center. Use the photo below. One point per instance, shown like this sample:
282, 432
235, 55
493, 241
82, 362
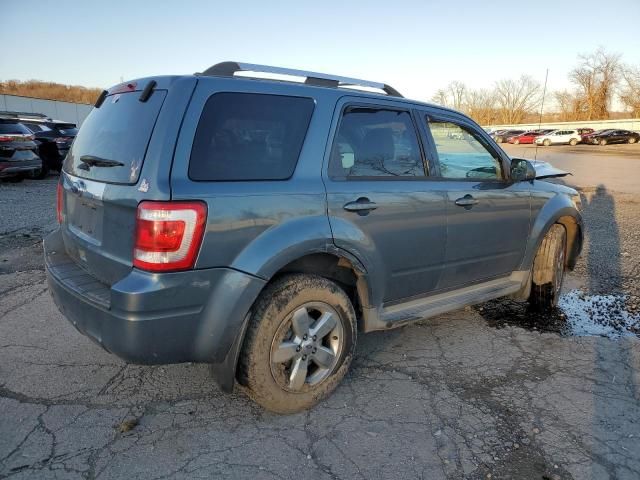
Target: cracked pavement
450, 397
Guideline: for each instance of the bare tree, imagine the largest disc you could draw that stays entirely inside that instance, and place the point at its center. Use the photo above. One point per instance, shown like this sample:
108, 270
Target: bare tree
516, 99
569, 105
596, 77
481, 106
457, 91
441, 97
630, 89
451, 96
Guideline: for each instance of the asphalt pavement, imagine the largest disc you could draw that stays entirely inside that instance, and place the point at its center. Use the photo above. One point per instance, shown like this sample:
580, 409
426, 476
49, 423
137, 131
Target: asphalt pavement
492, 391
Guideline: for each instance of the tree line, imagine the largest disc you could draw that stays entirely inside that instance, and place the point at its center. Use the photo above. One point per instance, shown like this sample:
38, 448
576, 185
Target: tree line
598, 79
50, 91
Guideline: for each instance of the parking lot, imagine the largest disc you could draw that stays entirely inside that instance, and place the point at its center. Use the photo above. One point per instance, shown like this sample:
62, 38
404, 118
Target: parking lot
492, 391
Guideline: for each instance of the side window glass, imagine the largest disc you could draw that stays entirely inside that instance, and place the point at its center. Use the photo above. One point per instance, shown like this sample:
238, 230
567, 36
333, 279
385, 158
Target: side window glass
462, 154
373, 142
247, 136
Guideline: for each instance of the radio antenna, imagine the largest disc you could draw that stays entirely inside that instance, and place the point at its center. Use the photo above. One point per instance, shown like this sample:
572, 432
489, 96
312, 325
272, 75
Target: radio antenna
544, 93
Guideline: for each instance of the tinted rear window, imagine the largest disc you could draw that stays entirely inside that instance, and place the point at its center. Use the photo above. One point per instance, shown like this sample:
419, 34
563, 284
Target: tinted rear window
68, 131
15, 128
244, 136
120, 131
33, 127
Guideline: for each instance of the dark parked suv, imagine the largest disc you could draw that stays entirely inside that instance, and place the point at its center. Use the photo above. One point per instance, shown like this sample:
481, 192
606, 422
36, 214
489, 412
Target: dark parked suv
54, 138
18, 158
259, 225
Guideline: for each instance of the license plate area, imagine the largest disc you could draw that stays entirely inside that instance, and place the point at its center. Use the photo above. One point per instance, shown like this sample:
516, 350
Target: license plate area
85, 219
84, 209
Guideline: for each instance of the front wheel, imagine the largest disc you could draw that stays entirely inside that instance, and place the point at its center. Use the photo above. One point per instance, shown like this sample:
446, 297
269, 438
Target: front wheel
299, 343
632, 140
573, 142
546, 143
603, 142
548, 269
517, 142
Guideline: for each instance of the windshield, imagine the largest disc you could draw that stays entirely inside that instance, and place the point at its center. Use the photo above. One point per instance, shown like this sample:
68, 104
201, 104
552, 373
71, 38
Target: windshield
118, 131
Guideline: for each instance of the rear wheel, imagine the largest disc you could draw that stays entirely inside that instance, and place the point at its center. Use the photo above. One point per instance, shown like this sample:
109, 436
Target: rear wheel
42, 172
45, 154
632, 140
548, 269
516, 141
498, 140
603, 142
299, 343
573, 142
546, 143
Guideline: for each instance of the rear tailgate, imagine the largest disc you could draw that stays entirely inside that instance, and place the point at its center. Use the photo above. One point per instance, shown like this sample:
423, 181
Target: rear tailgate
16, 142
121, 156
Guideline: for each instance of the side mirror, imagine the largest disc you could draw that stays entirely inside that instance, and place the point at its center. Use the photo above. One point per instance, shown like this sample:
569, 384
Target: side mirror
522, 170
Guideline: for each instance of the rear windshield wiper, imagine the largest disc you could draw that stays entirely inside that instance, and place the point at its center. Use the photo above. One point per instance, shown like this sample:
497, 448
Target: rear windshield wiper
92, 161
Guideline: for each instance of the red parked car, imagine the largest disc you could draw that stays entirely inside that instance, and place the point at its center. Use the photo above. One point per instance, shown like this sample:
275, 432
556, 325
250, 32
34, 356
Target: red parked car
526, 137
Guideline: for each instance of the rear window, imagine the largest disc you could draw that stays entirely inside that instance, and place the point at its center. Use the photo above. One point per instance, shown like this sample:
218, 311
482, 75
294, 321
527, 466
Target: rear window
68, 131
33, 127
14, 128
118, 131
246, 136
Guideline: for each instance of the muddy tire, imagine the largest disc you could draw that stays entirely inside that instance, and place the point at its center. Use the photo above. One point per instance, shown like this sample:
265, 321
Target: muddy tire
43, 172
548, 269
299, 343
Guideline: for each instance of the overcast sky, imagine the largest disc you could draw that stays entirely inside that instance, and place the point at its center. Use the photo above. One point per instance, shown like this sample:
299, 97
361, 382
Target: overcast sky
415, 46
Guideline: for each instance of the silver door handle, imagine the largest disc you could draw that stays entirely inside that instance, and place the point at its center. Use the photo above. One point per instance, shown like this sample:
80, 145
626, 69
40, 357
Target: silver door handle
360, 206
466, 201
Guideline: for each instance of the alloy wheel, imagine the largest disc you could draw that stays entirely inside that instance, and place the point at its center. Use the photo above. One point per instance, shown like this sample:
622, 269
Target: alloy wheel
307, 346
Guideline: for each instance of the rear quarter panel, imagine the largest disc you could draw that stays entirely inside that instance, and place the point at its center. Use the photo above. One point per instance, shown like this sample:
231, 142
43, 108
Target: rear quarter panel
259, 226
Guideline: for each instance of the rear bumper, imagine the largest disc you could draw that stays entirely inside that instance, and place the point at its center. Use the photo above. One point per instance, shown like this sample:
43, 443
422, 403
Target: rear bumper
145, 318
11, 169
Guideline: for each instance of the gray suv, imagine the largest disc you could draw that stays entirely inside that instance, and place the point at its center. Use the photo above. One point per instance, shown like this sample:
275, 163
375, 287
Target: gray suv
259, 225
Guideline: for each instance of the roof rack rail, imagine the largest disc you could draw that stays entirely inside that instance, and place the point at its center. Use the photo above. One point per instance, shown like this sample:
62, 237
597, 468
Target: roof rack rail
24, 115
228, 69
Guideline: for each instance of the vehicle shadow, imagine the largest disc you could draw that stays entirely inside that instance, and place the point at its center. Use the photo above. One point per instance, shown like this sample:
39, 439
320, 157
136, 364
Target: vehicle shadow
609, 394
615, 386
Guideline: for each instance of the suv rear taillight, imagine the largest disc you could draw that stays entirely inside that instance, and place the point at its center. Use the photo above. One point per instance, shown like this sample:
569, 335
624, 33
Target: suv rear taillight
59, 195
168, 235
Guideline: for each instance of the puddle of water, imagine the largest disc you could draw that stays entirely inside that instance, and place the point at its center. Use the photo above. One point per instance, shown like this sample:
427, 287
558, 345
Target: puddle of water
578, 314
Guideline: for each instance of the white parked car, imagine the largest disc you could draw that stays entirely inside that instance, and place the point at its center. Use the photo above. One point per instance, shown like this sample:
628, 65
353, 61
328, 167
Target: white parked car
559, 137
